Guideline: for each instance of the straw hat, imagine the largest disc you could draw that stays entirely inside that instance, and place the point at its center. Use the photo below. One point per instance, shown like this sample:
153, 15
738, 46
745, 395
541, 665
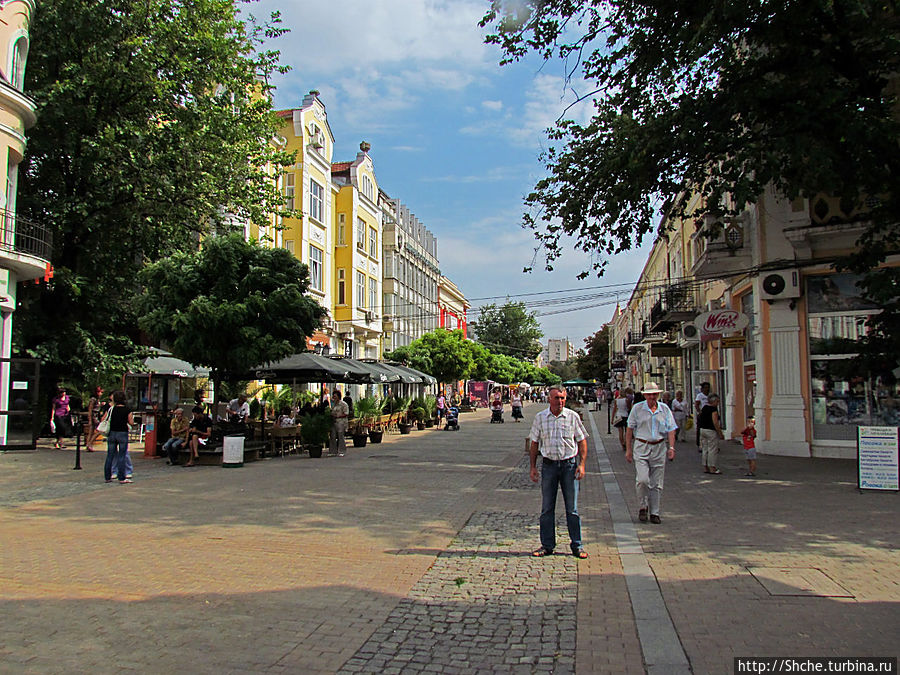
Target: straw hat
651, 388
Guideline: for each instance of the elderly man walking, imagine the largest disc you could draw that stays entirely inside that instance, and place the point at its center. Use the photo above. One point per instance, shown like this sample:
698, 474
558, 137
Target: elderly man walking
559, 435
649, 439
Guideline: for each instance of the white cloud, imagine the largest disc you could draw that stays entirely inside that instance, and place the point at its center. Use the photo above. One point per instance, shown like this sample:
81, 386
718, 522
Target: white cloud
325, 37
492, 105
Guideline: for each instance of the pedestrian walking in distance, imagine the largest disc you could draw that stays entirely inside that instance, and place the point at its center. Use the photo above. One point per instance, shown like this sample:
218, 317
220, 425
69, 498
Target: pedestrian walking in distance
649, 440
558, 434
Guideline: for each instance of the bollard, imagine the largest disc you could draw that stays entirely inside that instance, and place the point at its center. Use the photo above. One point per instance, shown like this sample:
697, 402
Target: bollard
77, 466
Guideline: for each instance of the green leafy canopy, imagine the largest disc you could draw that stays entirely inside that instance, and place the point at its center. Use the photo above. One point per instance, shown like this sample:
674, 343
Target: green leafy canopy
154, 128
723, 98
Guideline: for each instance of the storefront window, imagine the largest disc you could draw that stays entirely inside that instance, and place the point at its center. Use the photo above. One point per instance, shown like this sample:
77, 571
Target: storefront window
843, 397
750, 330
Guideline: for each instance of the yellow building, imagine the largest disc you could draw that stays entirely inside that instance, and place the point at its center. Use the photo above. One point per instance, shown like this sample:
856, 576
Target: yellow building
310, 192
357, 257
24, 245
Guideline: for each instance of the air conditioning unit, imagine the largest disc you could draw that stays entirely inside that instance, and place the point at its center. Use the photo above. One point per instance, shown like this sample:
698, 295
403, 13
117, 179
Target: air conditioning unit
688, 333
779, 284
369, 316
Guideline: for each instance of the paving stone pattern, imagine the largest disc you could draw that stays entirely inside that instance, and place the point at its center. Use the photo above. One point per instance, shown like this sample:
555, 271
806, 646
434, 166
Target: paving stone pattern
482, 607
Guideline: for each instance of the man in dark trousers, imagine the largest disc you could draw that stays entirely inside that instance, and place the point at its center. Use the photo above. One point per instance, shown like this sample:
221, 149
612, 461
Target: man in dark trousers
559, 435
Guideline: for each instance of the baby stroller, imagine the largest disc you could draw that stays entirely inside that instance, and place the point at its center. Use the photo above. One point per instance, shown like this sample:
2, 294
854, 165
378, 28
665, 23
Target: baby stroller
452, 418
497, 412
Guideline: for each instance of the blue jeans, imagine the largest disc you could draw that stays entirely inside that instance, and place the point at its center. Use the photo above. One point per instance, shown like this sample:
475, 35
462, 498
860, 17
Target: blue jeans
555, 475
171, 448
116, 455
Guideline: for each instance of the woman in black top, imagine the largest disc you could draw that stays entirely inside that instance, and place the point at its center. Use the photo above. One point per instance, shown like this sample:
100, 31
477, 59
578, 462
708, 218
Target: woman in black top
710, 433
120, 421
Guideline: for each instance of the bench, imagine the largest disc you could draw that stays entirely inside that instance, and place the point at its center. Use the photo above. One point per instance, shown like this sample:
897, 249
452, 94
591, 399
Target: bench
212, 456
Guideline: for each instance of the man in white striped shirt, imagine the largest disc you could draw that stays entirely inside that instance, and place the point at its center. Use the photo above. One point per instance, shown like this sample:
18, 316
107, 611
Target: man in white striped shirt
559, 435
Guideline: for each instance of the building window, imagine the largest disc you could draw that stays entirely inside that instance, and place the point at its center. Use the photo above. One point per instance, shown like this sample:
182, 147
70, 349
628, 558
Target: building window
342, 229
750, 330
315, 268
361, 228
843, 397
360, 289
289, 185
368, 187
19, 56
316, 201
373, 242
373, 294
341, 286
289, 246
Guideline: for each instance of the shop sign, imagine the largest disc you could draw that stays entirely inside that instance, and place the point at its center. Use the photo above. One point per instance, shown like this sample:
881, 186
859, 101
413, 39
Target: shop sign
877, 458
664, 349
721, 321
734, 342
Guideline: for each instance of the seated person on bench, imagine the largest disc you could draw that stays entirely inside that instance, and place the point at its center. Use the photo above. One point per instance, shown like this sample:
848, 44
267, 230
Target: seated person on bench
179, 428
198, 433
238, 409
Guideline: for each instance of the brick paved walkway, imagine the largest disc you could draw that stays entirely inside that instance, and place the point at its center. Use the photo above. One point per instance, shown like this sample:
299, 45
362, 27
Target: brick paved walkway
413, 556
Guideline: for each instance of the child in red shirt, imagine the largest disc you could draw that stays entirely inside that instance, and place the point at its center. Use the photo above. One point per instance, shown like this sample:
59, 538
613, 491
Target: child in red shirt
748, 436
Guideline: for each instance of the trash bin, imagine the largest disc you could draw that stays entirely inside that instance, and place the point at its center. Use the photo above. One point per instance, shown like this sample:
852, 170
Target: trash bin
149, 420
233, 451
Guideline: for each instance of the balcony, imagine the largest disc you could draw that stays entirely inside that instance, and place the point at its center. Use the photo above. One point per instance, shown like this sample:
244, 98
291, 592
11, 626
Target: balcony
25, 245
834, 226
634, 342
678, 303
649, 335
720, 247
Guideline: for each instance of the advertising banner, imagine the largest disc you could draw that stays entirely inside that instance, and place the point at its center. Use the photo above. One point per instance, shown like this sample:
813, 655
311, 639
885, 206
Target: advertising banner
878, 458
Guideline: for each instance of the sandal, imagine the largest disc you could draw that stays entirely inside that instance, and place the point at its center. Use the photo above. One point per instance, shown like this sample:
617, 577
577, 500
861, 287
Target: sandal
541, 552
716, 473
580, 553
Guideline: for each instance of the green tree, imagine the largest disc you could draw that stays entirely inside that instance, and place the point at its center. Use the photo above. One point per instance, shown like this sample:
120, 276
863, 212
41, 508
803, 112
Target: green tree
564, 370
232, 306
594, 362
508, 329
154, 128
723, 98
442, 353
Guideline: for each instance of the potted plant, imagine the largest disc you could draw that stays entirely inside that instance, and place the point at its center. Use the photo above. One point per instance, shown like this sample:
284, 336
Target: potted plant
376, 430
417, 413
314, 432
400, 406
430, 406
365, 410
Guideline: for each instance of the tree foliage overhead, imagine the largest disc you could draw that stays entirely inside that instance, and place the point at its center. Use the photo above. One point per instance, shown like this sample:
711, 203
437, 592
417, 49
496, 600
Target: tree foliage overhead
232, 306
154, 128
508, 329
593, 363
724, 98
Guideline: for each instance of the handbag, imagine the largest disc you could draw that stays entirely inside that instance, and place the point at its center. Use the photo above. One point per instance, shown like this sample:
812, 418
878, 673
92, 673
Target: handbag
103, 427
688, 423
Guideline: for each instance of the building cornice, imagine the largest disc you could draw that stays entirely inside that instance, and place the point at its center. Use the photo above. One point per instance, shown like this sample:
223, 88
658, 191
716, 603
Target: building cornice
20, 104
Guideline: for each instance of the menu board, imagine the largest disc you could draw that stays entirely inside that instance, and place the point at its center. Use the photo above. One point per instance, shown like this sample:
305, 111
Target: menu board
878, 458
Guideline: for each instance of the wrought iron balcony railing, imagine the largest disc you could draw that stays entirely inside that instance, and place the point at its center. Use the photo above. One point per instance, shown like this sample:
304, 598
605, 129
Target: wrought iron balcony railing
22, 235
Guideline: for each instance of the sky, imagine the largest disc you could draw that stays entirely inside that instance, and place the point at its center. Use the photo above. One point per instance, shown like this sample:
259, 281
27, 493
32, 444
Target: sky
455, 136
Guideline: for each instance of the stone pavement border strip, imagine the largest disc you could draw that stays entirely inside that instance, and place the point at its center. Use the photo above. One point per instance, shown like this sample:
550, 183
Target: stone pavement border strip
660, 644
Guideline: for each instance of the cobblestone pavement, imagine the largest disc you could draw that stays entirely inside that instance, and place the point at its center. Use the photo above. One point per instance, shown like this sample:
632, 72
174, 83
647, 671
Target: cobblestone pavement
412, 556
482, 607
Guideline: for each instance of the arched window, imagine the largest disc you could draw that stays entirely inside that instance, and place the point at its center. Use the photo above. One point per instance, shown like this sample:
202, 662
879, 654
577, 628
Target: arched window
19, 56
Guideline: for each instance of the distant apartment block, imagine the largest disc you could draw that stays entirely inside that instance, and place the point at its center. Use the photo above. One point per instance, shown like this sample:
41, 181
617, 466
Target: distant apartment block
558, 350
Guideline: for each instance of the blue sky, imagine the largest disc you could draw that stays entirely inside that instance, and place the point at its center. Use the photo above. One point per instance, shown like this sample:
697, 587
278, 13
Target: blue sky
454, 135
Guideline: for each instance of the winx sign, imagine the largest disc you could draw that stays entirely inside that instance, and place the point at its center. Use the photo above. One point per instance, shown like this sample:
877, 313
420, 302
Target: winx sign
721, 321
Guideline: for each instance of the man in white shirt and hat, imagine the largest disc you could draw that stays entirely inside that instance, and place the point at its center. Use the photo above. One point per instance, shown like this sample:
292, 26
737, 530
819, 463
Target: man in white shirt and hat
650, 438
